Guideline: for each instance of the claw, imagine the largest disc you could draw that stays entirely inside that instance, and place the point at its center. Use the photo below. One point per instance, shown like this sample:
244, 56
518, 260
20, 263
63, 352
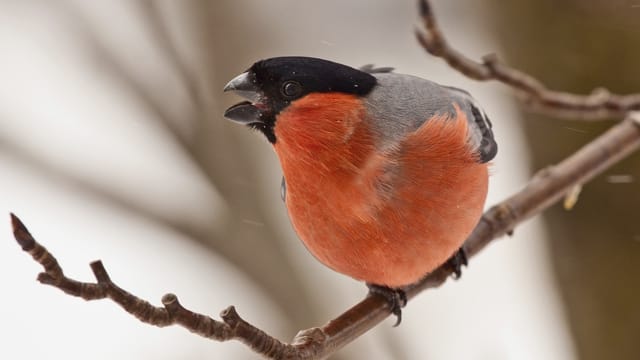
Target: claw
456, 262
395, 298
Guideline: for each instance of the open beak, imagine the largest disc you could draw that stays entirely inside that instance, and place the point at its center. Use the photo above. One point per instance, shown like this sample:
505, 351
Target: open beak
245, 112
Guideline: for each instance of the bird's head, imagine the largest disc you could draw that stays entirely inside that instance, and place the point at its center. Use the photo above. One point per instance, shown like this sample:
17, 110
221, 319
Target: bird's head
271, 86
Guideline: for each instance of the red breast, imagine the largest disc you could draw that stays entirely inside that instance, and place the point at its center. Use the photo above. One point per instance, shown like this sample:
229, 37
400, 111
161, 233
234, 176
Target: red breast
384, 216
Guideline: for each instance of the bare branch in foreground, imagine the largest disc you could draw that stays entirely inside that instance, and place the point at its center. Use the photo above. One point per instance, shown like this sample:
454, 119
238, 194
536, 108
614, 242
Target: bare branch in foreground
545, 189
233, 327
598, 105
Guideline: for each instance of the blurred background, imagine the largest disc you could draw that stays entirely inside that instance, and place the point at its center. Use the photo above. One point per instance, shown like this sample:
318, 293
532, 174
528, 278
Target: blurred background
113, 147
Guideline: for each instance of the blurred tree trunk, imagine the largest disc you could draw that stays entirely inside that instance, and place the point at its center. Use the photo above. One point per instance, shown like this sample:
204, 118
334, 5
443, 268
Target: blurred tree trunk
577, 45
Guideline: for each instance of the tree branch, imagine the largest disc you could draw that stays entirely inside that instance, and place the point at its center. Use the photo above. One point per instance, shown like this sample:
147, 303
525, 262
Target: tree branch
598, 105
546, 188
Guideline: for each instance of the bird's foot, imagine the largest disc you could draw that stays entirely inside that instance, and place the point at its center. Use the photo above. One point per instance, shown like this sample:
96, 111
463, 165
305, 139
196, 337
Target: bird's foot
396, 299
456, 262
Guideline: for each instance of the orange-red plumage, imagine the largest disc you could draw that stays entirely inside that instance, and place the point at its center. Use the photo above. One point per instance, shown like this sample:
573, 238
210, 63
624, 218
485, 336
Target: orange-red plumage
387, 216
385, 174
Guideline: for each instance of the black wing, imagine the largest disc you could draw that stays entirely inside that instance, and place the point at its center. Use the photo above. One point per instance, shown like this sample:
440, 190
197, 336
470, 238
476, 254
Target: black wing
488, 147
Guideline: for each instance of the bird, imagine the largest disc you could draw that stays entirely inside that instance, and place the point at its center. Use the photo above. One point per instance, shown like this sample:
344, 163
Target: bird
384, 174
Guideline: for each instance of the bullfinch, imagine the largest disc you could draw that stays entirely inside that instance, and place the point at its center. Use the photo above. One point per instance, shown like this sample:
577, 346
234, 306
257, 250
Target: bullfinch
385, 174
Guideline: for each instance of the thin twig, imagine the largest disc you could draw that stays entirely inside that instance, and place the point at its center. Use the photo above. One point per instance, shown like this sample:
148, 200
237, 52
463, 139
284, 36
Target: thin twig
598, 105
232, 326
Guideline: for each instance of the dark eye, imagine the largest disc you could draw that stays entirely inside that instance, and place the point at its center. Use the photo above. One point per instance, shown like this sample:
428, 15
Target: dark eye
291, 89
